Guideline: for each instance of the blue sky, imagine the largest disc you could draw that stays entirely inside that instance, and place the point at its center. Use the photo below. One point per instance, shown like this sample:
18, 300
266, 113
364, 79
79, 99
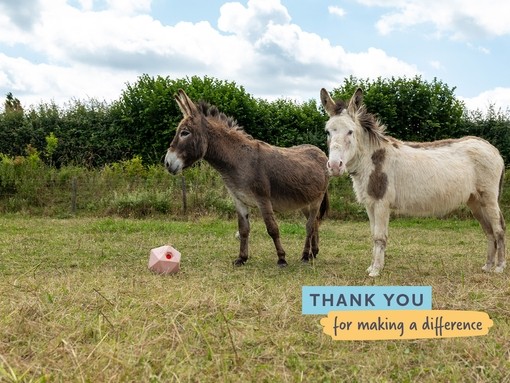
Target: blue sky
77, 49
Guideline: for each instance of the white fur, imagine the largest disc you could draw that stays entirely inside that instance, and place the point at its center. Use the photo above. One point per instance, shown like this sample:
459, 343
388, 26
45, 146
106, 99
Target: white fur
433, 179
173, 163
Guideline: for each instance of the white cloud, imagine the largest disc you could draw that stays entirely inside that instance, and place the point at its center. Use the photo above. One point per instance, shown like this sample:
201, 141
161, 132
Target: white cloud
436, 64
20, 15
479, 48
498, 97
295, 59
129, 6
458, 19
86, 5
334, 10
37, 83
87, 52
375, 62
251, 21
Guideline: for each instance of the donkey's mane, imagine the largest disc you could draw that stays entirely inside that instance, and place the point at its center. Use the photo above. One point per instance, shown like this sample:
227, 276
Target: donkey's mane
371, 124
229, 123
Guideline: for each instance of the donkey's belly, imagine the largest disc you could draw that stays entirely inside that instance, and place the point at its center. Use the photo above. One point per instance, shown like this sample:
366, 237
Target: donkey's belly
278, 204
436, 204
247, 199
286, 205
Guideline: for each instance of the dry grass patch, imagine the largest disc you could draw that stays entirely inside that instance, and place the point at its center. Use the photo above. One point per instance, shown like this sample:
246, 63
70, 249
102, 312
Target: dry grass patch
78, 303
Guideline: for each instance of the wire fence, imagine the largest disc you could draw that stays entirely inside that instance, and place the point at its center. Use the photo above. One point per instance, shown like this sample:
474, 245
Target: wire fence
111, 191
137, 191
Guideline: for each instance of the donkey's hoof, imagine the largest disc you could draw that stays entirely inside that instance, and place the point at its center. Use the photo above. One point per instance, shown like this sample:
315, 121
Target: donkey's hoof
239, 262
374, 273
499, 269
305, 258
282, 263
487, 268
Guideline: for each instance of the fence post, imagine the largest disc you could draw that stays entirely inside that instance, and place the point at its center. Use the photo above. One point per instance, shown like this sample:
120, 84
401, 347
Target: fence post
184, 196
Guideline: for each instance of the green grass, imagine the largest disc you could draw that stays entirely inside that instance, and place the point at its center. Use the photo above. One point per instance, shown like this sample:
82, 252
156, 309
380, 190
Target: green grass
78, 303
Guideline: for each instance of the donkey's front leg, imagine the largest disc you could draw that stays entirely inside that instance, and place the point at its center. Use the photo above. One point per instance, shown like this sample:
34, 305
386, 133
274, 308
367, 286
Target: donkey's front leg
243, 224
379, 216
266, 209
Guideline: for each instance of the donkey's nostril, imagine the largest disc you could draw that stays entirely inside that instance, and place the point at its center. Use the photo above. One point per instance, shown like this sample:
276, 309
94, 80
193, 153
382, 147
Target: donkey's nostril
334, 164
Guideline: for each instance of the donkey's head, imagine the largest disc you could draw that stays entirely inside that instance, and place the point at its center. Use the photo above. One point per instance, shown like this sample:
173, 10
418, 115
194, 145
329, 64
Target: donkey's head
342, 130
190, 141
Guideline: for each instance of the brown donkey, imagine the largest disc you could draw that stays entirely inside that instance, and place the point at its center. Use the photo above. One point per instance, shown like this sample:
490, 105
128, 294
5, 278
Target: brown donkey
255, 173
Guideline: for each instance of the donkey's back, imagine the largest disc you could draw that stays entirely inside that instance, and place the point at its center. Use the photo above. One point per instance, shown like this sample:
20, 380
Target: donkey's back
434, 178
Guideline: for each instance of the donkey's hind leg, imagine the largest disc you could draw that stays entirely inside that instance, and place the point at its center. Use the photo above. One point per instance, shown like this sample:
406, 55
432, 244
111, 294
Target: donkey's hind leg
493, 224
315, 238
312, 234
501, 251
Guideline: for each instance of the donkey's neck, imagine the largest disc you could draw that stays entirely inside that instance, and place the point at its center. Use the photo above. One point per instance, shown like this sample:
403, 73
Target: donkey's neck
356, 164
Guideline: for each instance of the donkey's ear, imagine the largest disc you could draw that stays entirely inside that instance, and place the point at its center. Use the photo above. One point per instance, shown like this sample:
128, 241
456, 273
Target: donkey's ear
356, 100
187, 107
328, 103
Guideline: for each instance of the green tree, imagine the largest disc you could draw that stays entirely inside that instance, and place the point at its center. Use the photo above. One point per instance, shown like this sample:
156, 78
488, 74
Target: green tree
149, 114
493, 125
411, 108
286, 123
51, 146
143, 120
12, 104
14, 137
89, 134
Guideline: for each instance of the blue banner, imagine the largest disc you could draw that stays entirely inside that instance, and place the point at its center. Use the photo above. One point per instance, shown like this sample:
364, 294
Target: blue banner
323, 299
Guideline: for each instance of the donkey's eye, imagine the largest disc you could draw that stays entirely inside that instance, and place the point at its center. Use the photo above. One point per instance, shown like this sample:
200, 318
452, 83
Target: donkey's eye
349, 133
184, 133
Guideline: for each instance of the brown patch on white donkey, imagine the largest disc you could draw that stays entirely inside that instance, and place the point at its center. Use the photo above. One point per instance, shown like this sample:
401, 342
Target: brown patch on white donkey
430, 178
255, 173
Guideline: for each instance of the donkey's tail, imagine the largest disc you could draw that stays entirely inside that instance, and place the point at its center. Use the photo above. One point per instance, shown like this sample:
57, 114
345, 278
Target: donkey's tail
324, 209
501, 181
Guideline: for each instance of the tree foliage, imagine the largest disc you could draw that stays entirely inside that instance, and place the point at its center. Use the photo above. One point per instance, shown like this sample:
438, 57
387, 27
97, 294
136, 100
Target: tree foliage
494, 126
12, 104
285, 123
412, 109
150, 115
142, 122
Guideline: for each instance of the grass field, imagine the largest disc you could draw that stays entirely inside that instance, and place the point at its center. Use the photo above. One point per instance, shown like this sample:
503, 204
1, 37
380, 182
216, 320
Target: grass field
78, 304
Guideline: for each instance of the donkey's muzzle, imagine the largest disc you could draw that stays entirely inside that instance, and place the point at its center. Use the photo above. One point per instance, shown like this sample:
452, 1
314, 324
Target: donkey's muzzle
173, 163
335, 168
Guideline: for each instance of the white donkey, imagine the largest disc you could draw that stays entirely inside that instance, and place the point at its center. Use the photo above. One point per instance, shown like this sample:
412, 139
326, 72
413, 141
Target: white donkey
430, 178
